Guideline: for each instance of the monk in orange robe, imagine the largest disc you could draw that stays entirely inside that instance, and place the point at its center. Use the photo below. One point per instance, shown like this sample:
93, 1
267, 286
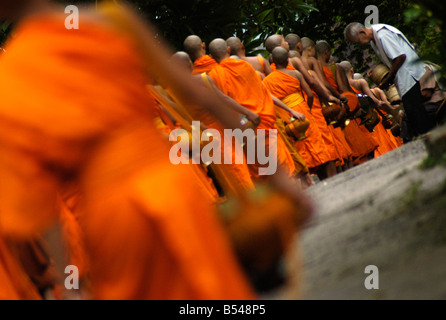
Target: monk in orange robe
361, 142
238, 173
289, 85
277, 40
238, 80
360, 86
324, 96
259, 63
148, 232
196, 49
334, 146
382, 103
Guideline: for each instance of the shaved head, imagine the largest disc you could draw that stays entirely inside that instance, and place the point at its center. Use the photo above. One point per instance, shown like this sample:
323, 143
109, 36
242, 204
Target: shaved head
193, 46
346, 65
358, 76
182, 58
294, 54
321, 47
292, 39
235, 44
273, 41
280, 56
307, 42
218, 49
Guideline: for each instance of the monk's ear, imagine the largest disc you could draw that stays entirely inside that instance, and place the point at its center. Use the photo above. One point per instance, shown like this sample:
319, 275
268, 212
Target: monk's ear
229, 51
203, 46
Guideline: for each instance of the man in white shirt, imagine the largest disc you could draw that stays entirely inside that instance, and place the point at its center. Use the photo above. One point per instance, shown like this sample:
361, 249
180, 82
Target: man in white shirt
406, 70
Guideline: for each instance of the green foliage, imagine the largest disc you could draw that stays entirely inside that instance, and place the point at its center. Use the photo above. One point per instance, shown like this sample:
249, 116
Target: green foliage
427, 17
5, 28
251, 21
254, 20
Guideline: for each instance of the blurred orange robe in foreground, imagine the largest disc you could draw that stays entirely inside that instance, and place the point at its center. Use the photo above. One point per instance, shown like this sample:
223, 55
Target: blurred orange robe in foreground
148, 232
204, 64
288, 89
238, 80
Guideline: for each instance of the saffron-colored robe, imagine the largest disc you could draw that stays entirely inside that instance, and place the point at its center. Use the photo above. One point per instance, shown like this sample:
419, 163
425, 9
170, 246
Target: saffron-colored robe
327, 135
360, 140
238, 80
288, 89
89, 120
204, 64
238, 173
385, 143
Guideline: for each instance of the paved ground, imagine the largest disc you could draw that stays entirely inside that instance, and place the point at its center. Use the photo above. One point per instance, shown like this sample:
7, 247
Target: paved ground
388, 212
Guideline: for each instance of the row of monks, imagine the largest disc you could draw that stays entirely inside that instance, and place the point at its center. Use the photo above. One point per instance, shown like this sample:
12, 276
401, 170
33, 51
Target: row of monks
85, 174
302, 79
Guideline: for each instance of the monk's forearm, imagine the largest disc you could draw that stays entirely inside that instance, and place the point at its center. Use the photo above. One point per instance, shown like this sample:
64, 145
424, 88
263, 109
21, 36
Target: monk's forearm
232, 104
332, 90
396, 65
310, 100
366, 89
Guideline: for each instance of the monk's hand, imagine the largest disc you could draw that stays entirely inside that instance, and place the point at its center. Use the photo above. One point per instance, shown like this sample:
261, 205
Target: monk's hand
333, 99
343, 99
253, 117
297, 115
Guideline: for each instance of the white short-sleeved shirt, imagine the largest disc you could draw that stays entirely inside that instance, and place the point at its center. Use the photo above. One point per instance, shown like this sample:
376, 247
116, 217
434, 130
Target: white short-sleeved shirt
392, 44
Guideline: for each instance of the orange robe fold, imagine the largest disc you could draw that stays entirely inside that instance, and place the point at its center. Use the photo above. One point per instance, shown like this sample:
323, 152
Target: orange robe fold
239, 80
149, 234
204, 64
288, 89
